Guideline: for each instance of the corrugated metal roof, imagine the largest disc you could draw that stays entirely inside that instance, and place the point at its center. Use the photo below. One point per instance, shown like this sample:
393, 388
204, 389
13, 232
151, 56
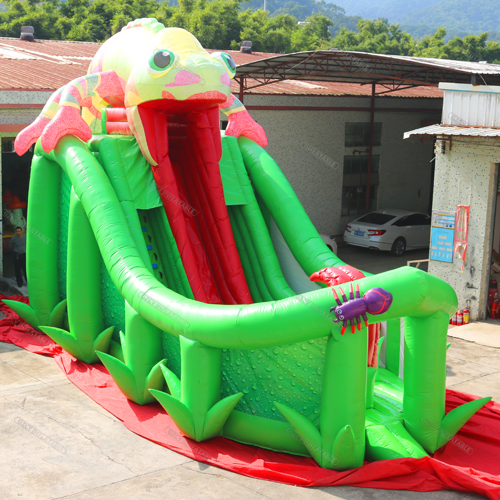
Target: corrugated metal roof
50, 64
243, 58
324, 88
291, 87
454, 130
479, 68
38, 74
56, 48
363, 67
42, 64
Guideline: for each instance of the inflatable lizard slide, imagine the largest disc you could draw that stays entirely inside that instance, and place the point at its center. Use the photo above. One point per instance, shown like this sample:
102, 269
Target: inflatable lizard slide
186, 264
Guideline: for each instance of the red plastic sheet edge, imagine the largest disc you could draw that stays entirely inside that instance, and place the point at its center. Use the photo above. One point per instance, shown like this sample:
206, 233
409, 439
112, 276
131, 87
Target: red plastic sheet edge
469, 462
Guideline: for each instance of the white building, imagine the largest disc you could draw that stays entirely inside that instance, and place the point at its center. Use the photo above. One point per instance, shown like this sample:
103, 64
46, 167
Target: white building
467, 159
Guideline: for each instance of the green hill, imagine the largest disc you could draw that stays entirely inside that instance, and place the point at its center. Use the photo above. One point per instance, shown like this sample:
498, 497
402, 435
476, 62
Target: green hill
394, 10
459, 17
302, 9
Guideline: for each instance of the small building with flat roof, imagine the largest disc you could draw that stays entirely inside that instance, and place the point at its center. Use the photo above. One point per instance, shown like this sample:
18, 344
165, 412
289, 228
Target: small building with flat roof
466, 192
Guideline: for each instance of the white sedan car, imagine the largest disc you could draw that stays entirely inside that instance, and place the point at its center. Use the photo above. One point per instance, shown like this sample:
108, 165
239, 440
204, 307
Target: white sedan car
392, 230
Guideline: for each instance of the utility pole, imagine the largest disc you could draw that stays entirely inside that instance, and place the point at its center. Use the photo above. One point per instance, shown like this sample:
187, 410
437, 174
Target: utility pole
265, 5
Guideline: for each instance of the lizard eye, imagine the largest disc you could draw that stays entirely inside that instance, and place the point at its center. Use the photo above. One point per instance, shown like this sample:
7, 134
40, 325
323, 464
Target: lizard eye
160, 61
227, 61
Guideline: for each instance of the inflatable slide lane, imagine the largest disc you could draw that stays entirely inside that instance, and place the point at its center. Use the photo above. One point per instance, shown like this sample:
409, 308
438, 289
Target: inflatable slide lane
186, 265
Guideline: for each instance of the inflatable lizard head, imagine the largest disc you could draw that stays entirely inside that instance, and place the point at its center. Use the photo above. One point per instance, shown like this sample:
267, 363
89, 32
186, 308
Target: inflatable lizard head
163, 69
147, 71
175, 68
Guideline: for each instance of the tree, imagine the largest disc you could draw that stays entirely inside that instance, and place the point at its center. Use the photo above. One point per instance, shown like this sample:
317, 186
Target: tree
377, 36
42, 16
221, 24
313, 35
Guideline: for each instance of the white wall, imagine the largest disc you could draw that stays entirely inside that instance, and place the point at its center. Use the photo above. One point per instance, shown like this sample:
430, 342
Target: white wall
24, 97
469, 170
309, 147
18, 116
405, 171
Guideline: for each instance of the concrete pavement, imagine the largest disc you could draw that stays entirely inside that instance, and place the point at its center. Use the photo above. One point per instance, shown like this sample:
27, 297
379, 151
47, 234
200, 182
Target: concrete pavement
58, 444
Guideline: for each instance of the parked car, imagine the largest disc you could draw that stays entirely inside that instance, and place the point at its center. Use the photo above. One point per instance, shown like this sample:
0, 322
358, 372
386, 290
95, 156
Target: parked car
392, 230
330, 242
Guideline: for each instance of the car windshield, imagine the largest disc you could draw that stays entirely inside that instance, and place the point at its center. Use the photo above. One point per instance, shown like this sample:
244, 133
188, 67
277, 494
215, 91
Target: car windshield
376, 218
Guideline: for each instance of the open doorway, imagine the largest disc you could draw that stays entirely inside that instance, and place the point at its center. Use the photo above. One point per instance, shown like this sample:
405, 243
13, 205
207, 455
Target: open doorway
495, 242
15, 183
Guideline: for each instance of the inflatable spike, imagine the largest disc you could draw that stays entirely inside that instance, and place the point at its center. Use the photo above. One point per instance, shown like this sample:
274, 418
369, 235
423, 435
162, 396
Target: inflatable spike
136, 389
25, 311
82, 350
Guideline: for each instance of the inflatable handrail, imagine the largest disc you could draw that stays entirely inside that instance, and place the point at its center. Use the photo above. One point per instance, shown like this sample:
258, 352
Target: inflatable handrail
101, 228
86, 209
242, 326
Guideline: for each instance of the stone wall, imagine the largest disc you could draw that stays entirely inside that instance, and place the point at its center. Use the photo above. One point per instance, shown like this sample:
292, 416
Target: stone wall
468, 174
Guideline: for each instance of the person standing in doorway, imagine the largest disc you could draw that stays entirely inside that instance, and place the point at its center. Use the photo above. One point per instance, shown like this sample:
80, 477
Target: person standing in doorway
18, 246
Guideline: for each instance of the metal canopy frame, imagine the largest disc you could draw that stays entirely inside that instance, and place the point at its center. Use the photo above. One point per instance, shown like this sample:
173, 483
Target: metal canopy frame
389, 71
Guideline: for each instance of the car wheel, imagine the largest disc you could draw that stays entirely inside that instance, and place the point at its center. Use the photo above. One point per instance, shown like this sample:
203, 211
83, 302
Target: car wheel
398, 247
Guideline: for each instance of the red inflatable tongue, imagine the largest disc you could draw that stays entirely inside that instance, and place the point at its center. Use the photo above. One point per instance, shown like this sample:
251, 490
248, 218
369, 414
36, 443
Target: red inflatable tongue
148, 117
187, 148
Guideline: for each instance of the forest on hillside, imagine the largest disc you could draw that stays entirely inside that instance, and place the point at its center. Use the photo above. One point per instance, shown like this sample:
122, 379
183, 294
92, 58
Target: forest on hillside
222, 24
458, 17
302, 9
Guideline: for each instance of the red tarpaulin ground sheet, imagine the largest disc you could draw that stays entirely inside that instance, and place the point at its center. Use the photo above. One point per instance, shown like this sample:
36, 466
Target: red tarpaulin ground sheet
469, 462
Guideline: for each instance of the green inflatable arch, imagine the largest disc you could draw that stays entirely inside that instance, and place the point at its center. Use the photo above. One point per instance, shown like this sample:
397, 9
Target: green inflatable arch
276, 373
181, 262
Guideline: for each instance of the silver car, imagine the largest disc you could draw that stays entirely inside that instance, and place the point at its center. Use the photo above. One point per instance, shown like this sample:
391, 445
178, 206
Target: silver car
391, 230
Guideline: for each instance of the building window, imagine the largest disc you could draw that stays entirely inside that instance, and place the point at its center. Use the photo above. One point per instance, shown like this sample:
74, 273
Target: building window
358, 134
355, 181
8, 144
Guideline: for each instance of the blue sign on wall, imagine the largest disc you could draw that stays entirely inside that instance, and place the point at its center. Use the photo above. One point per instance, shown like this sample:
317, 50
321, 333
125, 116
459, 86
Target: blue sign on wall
442, 244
